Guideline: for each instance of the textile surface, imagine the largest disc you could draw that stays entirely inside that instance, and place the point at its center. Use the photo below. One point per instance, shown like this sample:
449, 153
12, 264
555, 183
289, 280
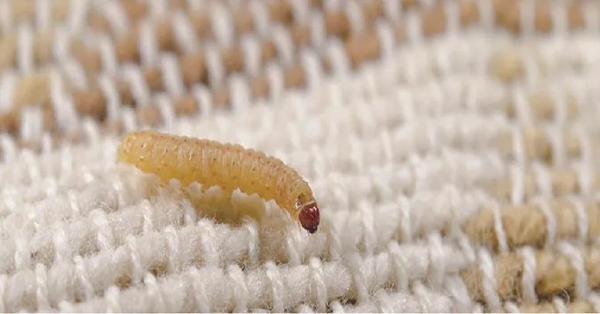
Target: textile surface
451, 145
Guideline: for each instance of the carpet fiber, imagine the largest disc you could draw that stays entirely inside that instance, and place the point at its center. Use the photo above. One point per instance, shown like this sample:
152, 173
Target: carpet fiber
451, 146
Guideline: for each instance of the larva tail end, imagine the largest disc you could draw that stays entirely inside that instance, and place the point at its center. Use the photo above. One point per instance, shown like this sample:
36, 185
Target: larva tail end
309, 217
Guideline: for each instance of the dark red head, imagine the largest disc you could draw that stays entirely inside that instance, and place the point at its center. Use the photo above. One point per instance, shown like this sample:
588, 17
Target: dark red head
309, 217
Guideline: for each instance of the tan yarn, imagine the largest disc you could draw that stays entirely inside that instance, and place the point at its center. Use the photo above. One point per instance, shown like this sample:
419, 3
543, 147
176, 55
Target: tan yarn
42, 47
573, 306
8, 49
362, 48
537, 145
554, 274
434, 20
507, 13
507, 65
543, 106
502, 189
563, 181
153, 77
23, 10
526, 225
89, 103
32, 89
135, 9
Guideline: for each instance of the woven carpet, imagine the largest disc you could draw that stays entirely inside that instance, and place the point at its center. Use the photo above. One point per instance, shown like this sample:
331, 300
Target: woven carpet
451, 145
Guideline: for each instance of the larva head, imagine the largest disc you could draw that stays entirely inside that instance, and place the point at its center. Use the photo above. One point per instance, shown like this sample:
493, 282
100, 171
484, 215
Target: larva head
309, 216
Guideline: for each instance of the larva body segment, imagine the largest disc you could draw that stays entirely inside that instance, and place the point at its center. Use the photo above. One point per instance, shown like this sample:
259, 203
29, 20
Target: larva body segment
229, 166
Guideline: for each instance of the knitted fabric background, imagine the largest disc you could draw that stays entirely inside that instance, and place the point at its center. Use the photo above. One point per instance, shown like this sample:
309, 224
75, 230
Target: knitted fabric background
452, 147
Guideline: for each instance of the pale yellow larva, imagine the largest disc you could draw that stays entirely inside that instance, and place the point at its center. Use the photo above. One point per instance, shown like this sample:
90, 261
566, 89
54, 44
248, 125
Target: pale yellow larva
229, 166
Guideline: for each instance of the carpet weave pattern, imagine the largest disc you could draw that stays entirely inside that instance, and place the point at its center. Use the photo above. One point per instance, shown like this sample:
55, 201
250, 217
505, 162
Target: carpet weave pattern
451, 146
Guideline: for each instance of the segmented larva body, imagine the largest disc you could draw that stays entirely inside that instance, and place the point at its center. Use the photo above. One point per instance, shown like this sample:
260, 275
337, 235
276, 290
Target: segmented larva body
229, 166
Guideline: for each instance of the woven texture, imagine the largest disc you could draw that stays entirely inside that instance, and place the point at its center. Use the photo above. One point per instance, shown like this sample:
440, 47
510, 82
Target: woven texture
451, 145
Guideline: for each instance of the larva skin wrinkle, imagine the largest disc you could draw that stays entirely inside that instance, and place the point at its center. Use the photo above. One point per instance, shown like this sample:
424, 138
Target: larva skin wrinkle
229, 166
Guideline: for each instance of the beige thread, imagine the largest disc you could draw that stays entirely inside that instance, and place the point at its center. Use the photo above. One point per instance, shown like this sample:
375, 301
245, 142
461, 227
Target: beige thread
507, 65
537, 145
563, 181
525, 225
573, 306
554, 274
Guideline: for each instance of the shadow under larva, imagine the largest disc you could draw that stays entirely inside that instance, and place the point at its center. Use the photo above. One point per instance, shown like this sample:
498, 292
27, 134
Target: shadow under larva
228, 166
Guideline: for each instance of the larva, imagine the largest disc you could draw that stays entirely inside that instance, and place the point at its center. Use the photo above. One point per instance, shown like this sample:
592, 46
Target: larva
229, 166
